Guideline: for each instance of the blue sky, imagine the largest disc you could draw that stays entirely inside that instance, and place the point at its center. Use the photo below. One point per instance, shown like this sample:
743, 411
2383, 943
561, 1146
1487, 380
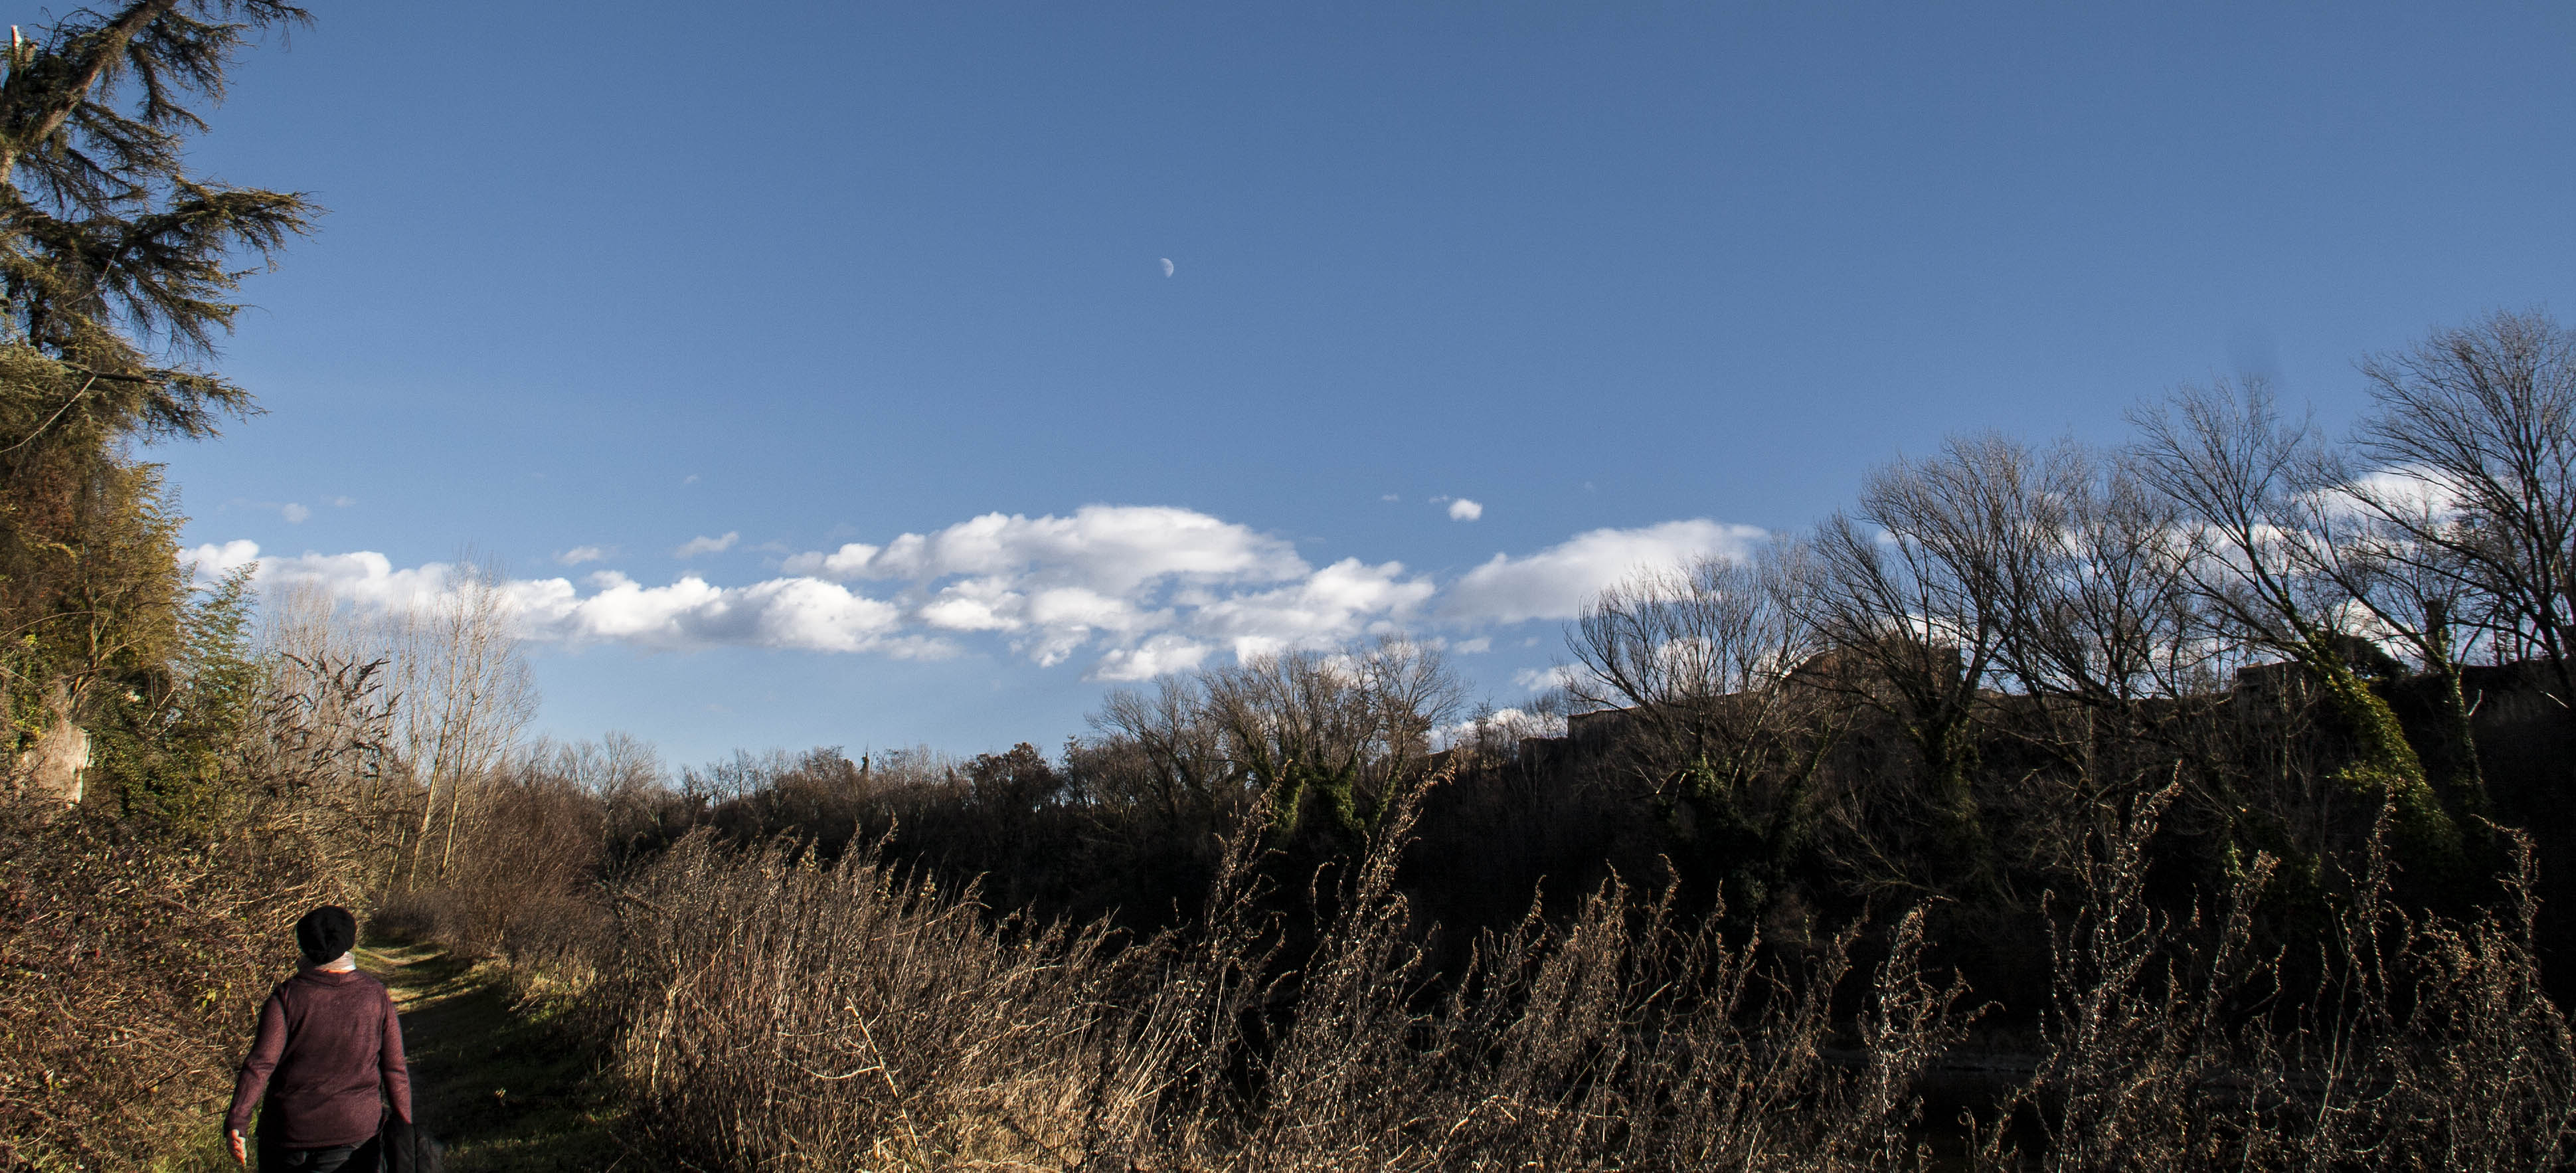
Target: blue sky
1633, 279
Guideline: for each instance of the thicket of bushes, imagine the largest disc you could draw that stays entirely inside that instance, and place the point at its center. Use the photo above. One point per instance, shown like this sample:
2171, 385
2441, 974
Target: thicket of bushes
140, 929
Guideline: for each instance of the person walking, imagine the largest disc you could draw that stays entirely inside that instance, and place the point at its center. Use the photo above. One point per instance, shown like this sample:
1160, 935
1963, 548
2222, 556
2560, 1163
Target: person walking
329, 1056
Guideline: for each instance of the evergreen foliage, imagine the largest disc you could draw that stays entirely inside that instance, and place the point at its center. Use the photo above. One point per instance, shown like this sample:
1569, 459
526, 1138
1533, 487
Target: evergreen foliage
117, 272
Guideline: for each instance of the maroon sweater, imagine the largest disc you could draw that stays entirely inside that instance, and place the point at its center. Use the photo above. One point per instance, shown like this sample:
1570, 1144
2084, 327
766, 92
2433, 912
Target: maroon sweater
328, 1045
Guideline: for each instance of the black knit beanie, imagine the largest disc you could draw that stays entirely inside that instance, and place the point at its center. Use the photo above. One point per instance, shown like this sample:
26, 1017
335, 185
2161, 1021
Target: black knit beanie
325, 933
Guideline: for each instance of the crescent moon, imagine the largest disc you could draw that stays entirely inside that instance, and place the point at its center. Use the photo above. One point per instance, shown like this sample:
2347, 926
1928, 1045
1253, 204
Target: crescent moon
1167, 266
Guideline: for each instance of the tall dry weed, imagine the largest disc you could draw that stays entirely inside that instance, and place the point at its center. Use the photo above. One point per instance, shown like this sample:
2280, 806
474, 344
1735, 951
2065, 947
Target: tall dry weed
778, 1013
790, 1015
2174, 1043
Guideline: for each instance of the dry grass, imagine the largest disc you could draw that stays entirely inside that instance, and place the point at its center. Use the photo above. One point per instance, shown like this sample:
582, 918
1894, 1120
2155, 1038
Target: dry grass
775, 1013
2174, 1044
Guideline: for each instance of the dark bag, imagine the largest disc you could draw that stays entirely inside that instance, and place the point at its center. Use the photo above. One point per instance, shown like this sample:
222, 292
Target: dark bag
408, 1148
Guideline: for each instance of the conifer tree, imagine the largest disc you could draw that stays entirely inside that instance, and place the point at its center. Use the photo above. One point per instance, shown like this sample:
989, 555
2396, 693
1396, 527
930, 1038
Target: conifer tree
118, 268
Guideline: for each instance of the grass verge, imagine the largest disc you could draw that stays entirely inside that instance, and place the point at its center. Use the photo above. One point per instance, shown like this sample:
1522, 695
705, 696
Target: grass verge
495, 1073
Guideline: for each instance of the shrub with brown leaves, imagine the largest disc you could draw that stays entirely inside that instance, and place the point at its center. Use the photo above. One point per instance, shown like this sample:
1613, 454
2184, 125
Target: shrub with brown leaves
130, 970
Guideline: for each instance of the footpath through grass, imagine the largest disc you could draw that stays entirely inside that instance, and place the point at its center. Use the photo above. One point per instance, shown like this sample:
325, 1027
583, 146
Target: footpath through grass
507, 1088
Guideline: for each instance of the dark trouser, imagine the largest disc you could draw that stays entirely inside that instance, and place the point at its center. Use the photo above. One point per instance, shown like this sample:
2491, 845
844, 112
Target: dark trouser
347, 1158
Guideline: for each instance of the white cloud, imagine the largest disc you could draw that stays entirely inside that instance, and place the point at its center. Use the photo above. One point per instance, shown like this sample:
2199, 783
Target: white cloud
208, 564
2411, 490
366, 578
1557, 582
1155, 657
1543, 679
1463, 509
705, 545
1113, 548
1133, 591
1051, 585
294, 513
848, 562
1337, 603
799, 613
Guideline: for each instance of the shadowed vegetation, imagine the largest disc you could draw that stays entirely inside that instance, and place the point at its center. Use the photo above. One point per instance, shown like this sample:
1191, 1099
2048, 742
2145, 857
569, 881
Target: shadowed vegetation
2196, 803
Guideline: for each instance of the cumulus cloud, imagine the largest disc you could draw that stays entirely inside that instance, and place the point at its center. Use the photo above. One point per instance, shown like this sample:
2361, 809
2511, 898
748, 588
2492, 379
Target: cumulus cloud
1052, 585
1134, 591
2411, 490
1556, 582
1543, 679
1337, 603
366, 578
1463, 509
1154, 657
1113, 548
800, 613
294, 513
208, 564
705, 545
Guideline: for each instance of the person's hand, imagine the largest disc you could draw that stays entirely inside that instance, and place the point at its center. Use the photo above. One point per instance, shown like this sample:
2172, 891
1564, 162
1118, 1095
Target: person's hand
233, 1141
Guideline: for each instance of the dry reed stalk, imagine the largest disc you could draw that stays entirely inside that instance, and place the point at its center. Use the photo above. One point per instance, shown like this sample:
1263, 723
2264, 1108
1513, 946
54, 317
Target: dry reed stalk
2425, 1044
781, 1014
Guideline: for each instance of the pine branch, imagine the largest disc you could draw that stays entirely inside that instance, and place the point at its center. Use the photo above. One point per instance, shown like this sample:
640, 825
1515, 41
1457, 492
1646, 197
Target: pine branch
104, 47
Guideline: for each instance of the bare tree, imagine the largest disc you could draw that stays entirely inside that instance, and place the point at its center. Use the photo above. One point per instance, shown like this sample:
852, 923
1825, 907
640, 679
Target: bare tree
2108, 649
1344, 730
2099, 612
1693, 663
1915, 594
1168, 754
465, 696
1697, 657
622, 772
2256, 493
2484, 417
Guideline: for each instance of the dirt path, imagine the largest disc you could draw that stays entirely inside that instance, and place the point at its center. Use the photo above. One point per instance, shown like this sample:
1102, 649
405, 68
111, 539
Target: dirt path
508, 1094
